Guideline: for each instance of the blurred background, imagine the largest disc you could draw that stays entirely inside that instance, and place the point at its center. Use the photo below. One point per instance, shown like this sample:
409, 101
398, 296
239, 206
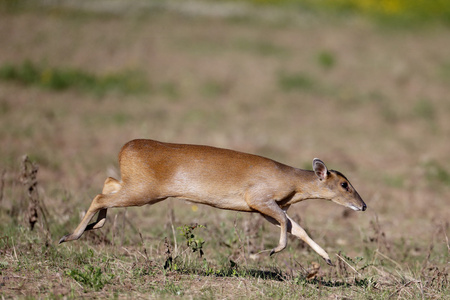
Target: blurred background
362, 84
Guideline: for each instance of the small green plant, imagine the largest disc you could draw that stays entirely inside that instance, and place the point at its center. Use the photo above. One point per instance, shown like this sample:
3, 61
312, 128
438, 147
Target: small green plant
91, 277
357, 265
193, 242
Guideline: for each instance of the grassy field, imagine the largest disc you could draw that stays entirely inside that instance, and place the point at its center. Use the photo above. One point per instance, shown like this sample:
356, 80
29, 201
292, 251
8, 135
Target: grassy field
370, 100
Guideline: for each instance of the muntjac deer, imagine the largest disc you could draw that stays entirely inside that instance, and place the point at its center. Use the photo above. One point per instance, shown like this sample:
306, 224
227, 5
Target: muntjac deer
153, 171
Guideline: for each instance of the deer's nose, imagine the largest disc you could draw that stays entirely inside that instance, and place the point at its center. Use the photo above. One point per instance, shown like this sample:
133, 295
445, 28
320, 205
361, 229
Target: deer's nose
364, 207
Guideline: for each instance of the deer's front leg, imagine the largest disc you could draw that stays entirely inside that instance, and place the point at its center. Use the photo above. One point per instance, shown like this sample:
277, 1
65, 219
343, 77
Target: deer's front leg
295, 229
299, 232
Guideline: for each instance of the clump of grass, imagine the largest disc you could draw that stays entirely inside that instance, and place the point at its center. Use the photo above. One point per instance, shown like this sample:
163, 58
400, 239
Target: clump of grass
424, 109
394, 181
172, 289
296, 82
60, 79
90, 277
121, 118
4, 108
213, 89
435, 172
3, 265
326, 60
444, 70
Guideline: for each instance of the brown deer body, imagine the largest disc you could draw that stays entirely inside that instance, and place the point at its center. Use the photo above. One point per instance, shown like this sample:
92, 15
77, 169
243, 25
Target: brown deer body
153, 171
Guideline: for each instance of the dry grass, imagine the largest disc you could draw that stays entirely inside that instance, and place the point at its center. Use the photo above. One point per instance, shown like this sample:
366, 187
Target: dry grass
370, 102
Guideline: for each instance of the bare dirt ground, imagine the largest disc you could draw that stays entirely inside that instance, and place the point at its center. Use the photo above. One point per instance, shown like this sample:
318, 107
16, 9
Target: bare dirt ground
372, 102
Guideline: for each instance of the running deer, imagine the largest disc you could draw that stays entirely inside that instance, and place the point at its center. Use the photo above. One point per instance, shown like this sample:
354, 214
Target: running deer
153, 171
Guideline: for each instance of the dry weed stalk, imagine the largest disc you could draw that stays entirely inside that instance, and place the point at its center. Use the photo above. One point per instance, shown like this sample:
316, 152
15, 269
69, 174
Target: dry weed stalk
436, 278
168, 254
241, 249
29, 181
171, 214
343, 260
144, 249
380, 236
148, 263
444, 228
430, 249
399, 290
342, 266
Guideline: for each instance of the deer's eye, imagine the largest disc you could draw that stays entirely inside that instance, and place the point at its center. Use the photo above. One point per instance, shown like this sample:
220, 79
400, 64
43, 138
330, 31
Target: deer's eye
344, 185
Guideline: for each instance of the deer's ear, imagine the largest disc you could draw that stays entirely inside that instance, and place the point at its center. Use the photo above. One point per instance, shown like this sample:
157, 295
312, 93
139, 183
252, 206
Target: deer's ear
320, 169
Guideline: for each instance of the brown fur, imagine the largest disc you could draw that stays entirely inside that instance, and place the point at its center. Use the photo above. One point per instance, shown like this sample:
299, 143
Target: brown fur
153, 171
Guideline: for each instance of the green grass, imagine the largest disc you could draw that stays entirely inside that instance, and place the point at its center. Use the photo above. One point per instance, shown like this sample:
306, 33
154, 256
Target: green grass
394, 181
392, 11
109, 270
91, 277
436, 173
262, 47
213, 89
326, 59
424, 109
60, 79
299, 81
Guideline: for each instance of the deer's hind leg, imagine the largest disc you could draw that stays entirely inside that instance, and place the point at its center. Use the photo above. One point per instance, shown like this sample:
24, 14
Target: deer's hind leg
100, 204
111, 186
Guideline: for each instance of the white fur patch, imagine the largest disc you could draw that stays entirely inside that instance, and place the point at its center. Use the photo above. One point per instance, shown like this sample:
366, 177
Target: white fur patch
354, 207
